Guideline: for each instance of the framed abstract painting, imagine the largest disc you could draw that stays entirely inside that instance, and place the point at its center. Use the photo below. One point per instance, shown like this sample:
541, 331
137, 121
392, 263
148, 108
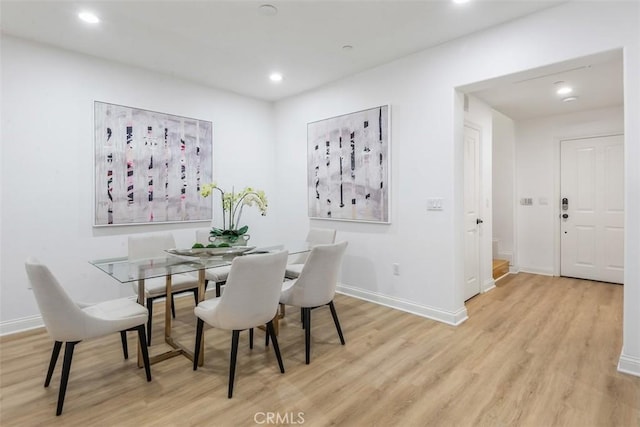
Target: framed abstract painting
348, 166
149, 166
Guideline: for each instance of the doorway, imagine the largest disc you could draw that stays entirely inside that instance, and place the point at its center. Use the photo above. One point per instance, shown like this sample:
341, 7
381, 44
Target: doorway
532, 116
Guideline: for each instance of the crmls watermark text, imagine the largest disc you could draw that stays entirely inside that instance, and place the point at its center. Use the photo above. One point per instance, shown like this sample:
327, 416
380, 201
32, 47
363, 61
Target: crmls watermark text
279, 418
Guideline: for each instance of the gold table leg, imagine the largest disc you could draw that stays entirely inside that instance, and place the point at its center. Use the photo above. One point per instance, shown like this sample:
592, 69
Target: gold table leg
141, 302
201, 279
167, 308
177, 348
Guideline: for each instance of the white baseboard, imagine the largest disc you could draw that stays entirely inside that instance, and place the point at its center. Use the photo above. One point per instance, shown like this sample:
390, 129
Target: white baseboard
449, 317
14, 326
488, 285
542, 272
629, 364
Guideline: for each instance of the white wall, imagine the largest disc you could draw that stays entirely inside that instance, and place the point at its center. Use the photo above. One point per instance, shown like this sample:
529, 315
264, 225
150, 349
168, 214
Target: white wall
538, 177
427, 122
419, 241
47, 170
503, 184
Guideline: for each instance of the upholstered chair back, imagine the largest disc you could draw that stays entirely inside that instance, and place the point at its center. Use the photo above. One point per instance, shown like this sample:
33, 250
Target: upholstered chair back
252, 292
317, 282
149, 246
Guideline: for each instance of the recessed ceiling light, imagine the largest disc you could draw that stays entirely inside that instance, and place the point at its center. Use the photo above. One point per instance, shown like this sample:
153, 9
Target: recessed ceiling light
268, 10
569, 99
275, 77
89, 17
347, 47
563, 90
460, 1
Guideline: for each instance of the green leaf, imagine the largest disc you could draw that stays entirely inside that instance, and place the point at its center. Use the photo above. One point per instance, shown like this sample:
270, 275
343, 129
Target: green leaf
216, 232
243, 230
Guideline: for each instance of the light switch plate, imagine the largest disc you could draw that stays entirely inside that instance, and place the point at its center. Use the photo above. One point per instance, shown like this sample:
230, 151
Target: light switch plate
434, 204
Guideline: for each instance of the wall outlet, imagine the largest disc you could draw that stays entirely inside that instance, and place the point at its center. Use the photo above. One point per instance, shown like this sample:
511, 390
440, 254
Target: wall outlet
396, 269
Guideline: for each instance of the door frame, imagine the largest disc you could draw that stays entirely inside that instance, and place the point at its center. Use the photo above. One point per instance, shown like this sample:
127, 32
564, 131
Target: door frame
557, 190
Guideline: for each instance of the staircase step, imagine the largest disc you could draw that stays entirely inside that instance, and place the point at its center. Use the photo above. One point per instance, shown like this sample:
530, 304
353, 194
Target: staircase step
500, 268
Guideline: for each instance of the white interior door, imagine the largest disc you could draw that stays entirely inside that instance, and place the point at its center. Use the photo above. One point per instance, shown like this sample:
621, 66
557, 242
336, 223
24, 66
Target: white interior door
471, 212
592, 220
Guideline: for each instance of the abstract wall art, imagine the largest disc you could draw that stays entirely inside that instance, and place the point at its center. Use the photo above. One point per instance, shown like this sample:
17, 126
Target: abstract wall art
149, 166
348, 166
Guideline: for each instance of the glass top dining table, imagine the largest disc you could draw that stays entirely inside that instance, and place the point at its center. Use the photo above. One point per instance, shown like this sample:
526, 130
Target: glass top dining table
126, 271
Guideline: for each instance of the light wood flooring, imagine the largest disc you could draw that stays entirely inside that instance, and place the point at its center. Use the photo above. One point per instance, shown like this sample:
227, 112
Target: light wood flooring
536, 351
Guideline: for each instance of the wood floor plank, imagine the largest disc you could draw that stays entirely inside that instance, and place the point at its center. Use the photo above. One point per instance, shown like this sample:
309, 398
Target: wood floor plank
536, 351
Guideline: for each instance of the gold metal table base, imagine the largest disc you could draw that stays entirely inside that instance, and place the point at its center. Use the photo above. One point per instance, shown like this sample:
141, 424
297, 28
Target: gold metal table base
178, 349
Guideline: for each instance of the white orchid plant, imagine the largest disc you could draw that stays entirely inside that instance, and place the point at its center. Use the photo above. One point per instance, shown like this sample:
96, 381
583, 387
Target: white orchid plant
232, 205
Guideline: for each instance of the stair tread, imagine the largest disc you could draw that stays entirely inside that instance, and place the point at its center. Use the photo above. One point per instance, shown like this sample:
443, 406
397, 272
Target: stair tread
500, 268
500, 262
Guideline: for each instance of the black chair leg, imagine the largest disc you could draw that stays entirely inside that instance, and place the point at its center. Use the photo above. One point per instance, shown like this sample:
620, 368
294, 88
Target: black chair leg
145, 352
218, 286
302, 316
195, 295
52, 364
307, 335
173, 307
266, 339
232, 363
336, 321
196, 351
66, 368
271, 331
125, 347
251, 338
150, 308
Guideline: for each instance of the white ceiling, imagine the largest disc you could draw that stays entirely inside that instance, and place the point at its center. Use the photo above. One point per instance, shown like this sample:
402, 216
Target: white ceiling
231, 45
597, 82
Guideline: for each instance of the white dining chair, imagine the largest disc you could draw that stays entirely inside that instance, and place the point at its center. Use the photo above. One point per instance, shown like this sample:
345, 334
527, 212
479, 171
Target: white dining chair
216, 275
250, 299
316, 236
316, 287
69, 322
152, 246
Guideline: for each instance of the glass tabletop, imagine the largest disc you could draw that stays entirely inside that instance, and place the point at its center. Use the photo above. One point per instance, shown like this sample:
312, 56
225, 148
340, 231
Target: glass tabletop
126, 271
